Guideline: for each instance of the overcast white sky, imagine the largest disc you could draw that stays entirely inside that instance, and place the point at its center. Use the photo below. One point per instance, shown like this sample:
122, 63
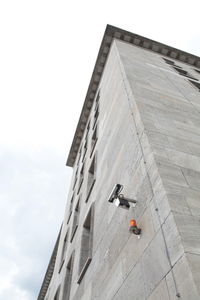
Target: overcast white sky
47, 53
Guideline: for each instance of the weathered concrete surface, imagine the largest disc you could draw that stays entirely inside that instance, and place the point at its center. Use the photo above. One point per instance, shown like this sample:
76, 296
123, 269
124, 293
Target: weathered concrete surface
169, 110
148, 141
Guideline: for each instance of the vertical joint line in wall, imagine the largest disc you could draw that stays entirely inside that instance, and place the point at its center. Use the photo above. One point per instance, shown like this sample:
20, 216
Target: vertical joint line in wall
168, 256
162, 231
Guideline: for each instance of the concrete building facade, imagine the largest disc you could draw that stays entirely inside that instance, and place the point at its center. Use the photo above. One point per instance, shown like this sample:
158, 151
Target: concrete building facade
139, 127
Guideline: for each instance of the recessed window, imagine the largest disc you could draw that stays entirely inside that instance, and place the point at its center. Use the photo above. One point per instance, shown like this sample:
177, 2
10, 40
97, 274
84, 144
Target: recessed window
178, 69
85, 149
91, 177
96, 110
64, 249
75, 178
196, 84
70, 207
88, 129
198, 71
86, 244
94, 139
81, 177
79, 157
183, 72
97, 100
68, 278
96, 114
56, 297
75, 220
169, 62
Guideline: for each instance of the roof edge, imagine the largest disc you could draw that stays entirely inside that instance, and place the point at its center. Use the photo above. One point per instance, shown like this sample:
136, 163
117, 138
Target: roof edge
49, 271
112, 32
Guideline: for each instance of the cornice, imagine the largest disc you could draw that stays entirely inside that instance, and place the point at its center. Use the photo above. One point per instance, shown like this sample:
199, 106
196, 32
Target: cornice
49, 272
111, 33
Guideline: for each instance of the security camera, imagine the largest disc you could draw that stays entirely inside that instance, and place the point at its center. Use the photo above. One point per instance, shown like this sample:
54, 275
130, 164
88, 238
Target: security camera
119, 199
115, 192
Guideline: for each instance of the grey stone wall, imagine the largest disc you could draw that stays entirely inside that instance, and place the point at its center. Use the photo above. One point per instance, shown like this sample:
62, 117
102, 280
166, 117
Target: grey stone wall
148, 141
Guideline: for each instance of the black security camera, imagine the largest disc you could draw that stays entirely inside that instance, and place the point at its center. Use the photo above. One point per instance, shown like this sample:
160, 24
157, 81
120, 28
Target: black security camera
118, 199
115, 192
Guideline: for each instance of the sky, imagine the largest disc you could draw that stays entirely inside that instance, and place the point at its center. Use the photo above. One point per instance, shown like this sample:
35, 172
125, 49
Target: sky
48, 50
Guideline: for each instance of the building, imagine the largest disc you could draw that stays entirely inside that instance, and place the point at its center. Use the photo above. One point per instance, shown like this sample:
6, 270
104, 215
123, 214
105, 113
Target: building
140, 128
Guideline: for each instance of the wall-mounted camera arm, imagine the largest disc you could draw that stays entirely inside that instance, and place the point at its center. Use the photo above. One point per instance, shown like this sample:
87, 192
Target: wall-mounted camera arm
121, 196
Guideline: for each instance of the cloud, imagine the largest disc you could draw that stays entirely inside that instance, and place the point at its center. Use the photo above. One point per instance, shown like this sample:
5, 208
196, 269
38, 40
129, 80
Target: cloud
33, 199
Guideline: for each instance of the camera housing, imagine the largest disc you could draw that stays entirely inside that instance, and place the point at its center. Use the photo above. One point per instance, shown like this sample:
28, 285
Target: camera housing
118, 199
115, 192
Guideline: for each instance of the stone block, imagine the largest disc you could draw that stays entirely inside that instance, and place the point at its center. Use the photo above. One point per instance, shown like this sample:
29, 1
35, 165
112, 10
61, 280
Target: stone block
184, 160
155, 263
148, 232
130, 255
160, 292
194, 264
192, 178
173, 239
133, 286
189, 230
183, 284
112, 282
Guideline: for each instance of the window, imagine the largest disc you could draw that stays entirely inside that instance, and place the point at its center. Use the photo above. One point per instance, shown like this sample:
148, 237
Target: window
169, 62
88, 129
96, 110
75, 178
183, 72
56, 297
198, 71
81, 176
75, 221
86, 244
64, 249
178, 69
96, 114
196, 84
91, 177
79, 157
84, 149
94, 140
70, 208
68, 278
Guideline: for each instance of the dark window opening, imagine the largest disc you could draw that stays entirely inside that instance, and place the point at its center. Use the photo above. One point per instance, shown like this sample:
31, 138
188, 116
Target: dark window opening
56, 297
84, 149
96, 110
88, 129
64, 250
68, 279
79, 157
81, 176
96, 114
169, 62
97, 101
76, 219
198, 71
196, 84
75, 178
70, 208
94, 140
91, 178
183, 72
86, 244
